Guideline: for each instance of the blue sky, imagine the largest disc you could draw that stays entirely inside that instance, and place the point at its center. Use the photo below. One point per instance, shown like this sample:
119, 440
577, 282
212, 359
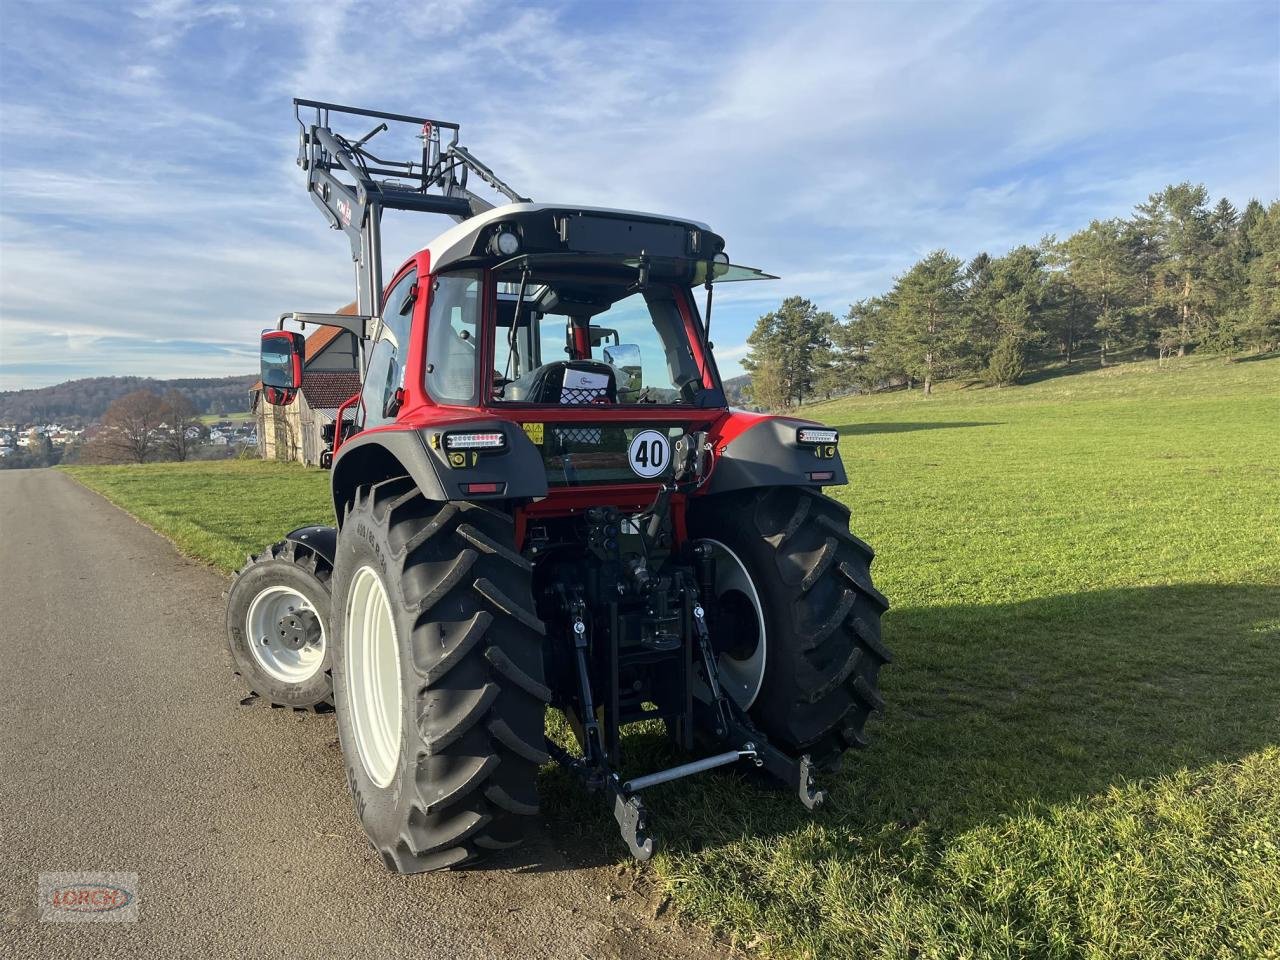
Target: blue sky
152, 220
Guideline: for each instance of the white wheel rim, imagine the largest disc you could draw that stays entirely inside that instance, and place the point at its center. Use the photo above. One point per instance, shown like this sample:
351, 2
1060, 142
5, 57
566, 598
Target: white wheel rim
266, 643
741, 679
373, 675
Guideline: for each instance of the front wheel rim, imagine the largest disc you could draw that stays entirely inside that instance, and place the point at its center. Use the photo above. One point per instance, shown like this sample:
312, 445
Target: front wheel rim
266, 637
741, 678
372, 663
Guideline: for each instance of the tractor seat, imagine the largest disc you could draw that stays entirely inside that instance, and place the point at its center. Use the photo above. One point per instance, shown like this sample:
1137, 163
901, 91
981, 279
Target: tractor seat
573, 382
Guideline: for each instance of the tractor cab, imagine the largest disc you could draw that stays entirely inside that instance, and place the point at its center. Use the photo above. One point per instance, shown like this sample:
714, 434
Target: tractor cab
538, 304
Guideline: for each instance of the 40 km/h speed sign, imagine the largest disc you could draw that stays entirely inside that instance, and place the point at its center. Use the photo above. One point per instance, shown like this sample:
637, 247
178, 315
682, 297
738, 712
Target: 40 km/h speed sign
649, 453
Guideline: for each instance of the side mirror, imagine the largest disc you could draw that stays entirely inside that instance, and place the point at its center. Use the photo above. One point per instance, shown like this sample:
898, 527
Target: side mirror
625, 358
282, 352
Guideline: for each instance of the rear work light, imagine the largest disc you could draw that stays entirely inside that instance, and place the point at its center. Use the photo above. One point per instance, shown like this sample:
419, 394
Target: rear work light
815, 436
478, 440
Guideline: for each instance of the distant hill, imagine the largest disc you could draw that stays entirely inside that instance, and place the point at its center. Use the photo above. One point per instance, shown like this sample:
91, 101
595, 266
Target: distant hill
734, 387
80, 402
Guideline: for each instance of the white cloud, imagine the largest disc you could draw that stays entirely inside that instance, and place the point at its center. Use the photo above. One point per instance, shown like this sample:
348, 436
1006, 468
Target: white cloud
168, 21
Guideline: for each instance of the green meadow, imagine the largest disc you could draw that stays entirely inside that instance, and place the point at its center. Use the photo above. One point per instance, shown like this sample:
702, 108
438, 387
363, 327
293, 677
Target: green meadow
216, 510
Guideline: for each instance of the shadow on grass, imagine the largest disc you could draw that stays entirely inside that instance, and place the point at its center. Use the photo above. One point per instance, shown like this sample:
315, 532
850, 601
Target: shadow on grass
1089, 363
994, 709
864, 429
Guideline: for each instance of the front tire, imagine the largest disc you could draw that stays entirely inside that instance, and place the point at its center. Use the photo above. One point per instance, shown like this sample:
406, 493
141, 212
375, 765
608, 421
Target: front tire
277, 627
821, 612
438, 677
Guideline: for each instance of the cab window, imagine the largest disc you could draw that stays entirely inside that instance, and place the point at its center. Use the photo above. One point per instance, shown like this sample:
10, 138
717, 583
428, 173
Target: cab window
453, 338
578, 342
384, 371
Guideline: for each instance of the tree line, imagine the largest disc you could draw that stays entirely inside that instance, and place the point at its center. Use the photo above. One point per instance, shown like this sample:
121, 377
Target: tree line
1179, 274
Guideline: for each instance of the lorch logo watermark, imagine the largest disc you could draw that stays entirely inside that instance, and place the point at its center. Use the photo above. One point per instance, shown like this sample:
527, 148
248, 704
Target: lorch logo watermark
89, 897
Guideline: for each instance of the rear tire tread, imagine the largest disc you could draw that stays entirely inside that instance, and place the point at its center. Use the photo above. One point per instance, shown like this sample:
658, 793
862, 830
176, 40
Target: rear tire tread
456, 573
478, 689
507, 737
441, 732
825, 651
457, 651
471, 780
504, 665
506, 605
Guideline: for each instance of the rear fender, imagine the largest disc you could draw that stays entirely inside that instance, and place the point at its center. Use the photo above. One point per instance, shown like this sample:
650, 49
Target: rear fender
759, 450
393, 451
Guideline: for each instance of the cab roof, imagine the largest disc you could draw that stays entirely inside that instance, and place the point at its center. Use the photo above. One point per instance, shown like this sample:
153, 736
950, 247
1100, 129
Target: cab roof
459, 242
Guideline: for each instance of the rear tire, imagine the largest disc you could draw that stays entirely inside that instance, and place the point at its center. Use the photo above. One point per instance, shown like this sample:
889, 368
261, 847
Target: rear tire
443, 763
822, 614
287, 581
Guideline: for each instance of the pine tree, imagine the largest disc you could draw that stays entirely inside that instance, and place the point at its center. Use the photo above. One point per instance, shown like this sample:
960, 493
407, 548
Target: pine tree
1063, 315
1262, 317
835, 360
1226, 271
863, 335
1178, 223
926, 332
1101, 268
791, 337
1008, 306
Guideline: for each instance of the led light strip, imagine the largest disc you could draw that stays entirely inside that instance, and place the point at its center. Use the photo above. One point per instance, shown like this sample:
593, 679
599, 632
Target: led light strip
489, 440
814, 435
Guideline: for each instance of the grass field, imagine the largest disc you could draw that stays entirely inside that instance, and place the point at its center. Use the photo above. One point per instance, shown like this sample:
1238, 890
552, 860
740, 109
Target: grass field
1081, 756
217, 510
244, 416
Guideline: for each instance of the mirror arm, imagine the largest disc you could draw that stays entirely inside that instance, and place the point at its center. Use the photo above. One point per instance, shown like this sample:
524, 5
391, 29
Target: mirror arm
361, 325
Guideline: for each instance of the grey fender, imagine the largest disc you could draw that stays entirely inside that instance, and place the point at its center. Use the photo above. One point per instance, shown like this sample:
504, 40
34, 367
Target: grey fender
382, 454
767, 455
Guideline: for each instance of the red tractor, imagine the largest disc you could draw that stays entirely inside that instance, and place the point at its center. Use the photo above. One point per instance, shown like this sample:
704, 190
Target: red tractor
545, 500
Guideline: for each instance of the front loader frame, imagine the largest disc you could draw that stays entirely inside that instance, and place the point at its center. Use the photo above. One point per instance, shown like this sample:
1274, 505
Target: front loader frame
351, 186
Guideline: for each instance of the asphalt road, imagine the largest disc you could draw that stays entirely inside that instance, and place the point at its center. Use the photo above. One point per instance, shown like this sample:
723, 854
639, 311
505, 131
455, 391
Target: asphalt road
123, 747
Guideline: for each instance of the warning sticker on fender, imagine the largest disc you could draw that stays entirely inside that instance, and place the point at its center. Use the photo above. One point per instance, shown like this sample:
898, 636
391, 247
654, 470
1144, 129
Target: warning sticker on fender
534, 431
